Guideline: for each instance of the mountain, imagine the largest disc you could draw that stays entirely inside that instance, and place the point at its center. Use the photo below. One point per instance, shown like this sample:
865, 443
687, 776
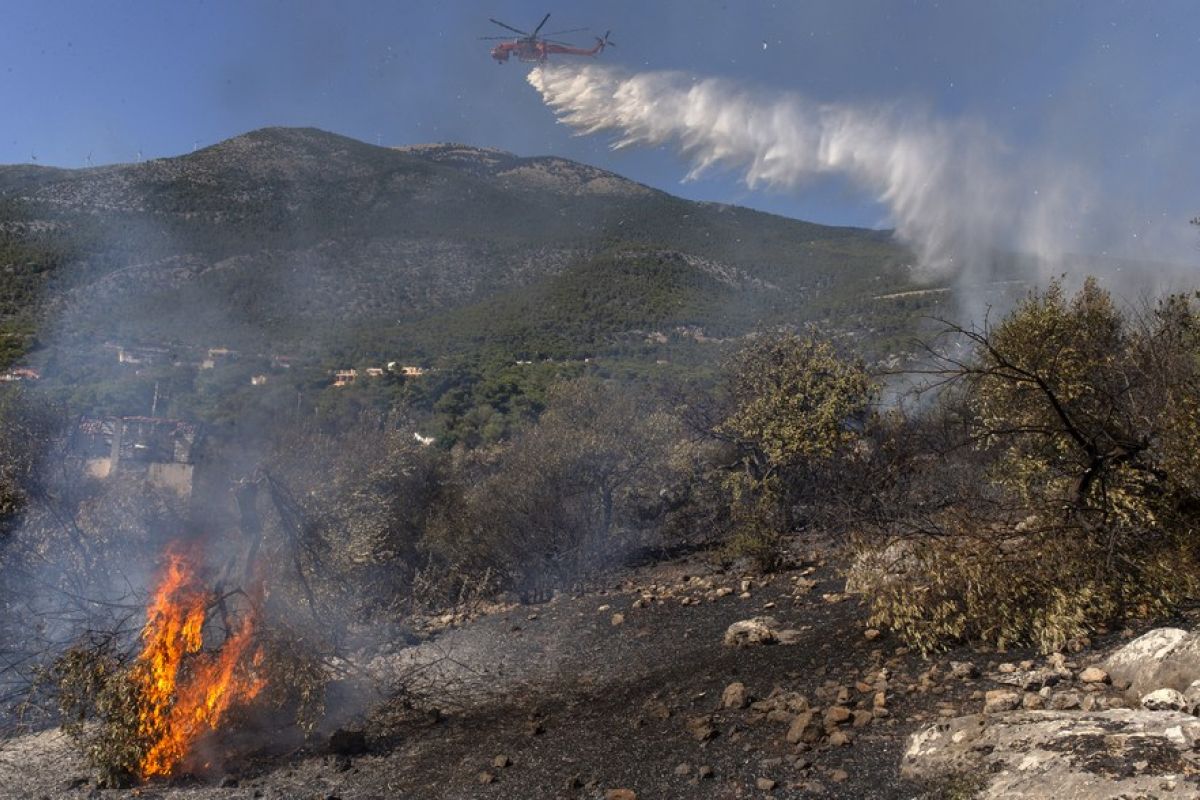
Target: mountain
297, 239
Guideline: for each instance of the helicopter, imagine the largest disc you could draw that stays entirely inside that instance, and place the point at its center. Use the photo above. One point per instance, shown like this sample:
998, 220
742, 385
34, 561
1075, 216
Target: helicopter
536, 49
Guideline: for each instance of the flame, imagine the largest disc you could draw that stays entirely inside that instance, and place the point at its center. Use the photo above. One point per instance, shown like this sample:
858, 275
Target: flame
185, 692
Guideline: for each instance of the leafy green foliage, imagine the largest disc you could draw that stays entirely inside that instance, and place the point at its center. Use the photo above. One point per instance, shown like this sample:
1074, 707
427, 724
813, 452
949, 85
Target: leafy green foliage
792, 402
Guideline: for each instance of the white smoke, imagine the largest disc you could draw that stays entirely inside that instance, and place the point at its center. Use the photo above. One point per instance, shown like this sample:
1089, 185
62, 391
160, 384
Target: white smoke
955, 194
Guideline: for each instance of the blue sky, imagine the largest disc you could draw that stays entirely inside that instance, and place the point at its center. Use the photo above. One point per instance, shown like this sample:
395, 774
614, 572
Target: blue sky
1114, 86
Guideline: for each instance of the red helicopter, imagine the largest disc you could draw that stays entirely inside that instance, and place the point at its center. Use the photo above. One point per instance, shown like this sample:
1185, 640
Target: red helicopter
536, 49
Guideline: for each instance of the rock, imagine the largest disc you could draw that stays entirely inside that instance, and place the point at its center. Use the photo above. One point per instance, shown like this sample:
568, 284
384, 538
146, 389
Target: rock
683, 769
704, 773
862, 718
1192, 696
788, 636
1052, 755
1032, 701
751, 632
620, 794
839, 739
1164, 700
735, 696
500, 762
804, 728
836, 715
765, 784
702, 728
618, 619
1030, 680
839, 776
963, 670
486, 777
657, 709
1093, 675
998, 700
1164, 658
871, 634
1063, 701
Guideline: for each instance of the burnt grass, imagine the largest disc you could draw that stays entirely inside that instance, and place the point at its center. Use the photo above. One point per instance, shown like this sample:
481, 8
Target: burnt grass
576, 706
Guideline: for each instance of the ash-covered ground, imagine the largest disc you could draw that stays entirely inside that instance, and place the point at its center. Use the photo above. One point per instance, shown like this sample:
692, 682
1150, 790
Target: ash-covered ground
623, 688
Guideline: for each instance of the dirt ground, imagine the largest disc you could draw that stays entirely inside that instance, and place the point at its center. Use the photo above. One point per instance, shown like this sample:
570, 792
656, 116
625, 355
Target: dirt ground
564, 700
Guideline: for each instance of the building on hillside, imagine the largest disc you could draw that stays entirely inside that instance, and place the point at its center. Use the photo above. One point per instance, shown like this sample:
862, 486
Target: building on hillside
160, 449
258, 380
374, 372
405, 370
218, 355
141, 355
21, 374
344, 377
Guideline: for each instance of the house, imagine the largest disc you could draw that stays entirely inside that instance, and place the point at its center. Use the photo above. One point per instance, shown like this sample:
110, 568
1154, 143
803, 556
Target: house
374, 372
21, 374
159, 449
258, 380
406, 371
344, 377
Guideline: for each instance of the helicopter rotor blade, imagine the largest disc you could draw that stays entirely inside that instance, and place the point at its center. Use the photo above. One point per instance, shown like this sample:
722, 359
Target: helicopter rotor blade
560, 33
540, 24
491, 38
509, 27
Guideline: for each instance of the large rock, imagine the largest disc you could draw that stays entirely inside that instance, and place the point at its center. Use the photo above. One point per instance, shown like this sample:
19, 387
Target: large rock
1164, 658
751, 632
1051, 755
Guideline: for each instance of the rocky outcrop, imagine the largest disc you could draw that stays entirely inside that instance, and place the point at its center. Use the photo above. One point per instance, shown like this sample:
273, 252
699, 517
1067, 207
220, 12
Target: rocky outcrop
1102, 755
1164, 658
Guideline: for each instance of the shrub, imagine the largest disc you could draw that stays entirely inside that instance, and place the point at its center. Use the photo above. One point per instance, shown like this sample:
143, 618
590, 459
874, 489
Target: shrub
1073, 429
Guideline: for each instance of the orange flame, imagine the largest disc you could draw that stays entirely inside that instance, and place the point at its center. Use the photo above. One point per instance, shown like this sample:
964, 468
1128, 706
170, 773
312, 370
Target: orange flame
186, 692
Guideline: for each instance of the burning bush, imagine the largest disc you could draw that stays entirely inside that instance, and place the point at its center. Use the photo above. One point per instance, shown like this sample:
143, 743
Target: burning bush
143, 717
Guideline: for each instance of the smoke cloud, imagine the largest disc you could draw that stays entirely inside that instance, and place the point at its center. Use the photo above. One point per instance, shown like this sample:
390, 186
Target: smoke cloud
956, 195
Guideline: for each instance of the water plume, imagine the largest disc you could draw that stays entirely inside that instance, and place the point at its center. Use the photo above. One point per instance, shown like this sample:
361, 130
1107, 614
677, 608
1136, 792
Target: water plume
954, 193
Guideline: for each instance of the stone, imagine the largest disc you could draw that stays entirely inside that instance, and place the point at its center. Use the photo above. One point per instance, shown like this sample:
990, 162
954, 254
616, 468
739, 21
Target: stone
620, 794
997, 700
836, 715
735, 696
1063, 701
704, 773
963, 670
765, 784
1163, 658
1052, 755
1192, 696
788, 636
1032, 701
500, 762
486, 777
862, 718
839, 739
1164, 700
683, 769
804, 728
702, 728
752, 632
839, 776
871, 634
618, 619
1093, 675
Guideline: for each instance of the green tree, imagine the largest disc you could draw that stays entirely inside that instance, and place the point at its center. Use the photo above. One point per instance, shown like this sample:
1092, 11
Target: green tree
793, 405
